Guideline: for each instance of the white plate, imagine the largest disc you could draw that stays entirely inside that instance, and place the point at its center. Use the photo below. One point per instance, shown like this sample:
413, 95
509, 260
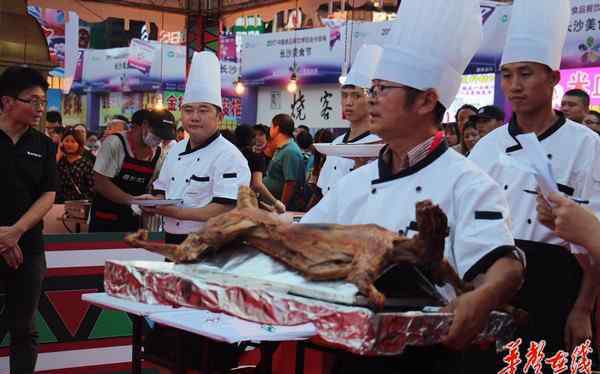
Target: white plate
155, 202
349, 150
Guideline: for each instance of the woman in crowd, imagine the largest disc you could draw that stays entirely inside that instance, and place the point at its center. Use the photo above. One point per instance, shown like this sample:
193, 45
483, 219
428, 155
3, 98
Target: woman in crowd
470, 137
452, 134
76, 178
321, 136
463, 115
261, 136
245, 141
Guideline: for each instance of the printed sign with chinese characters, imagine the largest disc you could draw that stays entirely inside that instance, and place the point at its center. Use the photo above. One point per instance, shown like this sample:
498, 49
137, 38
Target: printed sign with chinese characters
587, 79
315, 106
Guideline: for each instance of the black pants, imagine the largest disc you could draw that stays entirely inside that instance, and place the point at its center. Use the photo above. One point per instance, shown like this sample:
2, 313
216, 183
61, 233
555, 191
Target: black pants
23, 288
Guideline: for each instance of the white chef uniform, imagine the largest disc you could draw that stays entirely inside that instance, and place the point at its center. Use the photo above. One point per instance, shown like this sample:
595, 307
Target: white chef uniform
553, 278
360, 75
210, 174
477, 212
335, 167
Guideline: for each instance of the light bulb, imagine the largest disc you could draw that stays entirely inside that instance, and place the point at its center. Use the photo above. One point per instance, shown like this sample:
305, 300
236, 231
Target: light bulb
342, 79
239, 88
292, 86
159, 106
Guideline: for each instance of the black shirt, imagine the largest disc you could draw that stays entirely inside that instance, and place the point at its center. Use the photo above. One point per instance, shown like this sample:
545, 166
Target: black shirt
29, 171
256, 161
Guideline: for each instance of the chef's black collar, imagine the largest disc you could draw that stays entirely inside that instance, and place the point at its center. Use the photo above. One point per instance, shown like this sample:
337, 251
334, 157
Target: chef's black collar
514, 130
385, 169
355, 139
188, 148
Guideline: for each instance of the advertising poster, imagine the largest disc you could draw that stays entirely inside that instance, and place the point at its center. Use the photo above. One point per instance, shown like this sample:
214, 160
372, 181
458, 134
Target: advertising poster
475, 89
141, 55
73, 109
587, 79
52, 22
172, 102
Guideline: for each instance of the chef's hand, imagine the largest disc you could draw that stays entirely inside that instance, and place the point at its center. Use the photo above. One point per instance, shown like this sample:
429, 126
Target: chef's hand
13, 257
279, 207
578, 328
573, 222
167, 211
471, 313
544, 210
9, 237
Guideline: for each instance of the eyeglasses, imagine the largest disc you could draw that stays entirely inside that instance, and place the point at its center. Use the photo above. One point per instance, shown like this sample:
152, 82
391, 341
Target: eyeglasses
591, 122
376, 91
34, 102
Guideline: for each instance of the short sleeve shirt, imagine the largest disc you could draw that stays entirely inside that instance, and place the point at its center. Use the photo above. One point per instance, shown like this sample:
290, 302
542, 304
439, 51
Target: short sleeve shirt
110, 156
256, 161
287, 165
29, 170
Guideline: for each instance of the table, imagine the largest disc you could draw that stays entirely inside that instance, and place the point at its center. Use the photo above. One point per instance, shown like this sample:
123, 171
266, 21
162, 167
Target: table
215, 326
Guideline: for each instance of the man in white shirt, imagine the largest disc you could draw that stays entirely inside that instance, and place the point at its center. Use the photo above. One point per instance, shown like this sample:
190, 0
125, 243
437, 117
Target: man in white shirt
557, 295
205, 170
355, 110
416, 79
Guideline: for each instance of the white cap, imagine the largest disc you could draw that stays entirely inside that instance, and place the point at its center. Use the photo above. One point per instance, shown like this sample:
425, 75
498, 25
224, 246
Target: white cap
204, 81
431, 45
363, 68
537, 32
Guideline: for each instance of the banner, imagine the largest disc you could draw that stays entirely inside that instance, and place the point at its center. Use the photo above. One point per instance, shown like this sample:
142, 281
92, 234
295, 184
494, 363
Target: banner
144, 66
172, 102
316, 106
587, 79
74, 108
582, 48
475, 89
268, 59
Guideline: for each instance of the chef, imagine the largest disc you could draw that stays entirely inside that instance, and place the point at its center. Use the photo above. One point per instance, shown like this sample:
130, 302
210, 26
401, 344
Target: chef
205, 170
558, 297
417, 78
355, 110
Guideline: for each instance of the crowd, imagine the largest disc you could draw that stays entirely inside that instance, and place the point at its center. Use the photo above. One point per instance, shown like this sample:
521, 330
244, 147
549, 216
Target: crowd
504, 237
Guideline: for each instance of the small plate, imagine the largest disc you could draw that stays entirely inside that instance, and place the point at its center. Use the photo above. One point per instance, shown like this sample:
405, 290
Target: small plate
349, 150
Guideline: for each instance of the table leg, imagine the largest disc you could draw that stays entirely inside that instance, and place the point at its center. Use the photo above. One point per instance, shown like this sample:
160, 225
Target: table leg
299, 358
136, 344
267, 351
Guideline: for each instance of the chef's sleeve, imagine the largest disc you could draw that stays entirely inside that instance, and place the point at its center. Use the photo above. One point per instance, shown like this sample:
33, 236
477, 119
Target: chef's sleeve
482, 232
590, 179
229, 174
110, 157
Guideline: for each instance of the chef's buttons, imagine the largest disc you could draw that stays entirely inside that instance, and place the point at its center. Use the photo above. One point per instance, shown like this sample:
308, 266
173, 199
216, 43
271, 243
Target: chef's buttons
549, 156
374, 191
418, 189
172, 178
506, 186
529, 221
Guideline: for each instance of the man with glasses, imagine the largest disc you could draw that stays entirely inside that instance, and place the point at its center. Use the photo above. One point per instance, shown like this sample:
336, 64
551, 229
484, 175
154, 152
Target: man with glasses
417, 78
592, 121
28, 169
355, 110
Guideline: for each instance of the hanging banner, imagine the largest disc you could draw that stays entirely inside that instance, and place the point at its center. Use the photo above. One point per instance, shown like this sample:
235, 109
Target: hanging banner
172, 101
475, 89
52, 22
141, 56
73, 109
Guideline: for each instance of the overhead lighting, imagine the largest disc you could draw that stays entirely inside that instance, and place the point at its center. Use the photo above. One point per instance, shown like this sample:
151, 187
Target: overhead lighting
239, 87
292, 86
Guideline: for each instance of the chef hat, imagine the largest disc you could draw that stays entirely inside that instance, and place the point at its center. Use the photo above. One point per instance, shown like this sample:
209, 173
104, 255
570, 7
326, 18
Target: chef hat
204, 81
431, 44
364, 66
537, 32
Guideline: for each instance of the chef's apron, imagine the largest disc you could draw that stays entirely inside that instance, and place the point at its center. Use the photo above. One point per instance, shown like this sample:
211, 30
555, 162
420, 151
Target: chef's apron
133, 178
553, 279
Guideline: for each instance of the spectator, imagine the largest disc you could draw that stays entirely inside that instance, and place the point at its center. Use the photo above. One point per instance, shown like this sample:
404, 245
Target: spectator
56, 136
313, 171
300, 129
261, 133
452, 134
229, 135
92, 143
305, 142
116, 125
75, 172
245, 141
53, 121
487, 119
285, 175
575, 105
470, 137
82, 130
592, 120
463, 114
29, 168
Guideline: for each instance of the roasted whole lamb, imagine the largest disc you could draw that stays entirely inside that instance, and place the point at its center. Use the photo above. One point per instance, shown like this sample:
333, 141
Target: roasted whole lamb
356, 253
